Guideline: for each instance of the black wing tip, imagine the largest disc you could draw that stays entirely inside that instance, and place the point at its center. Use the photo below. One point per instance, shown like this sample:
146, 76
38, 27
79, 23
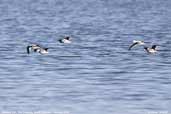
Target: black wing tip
28, 49
67, 37
46, 49
154, 46
145, 47
129, 48
60, 40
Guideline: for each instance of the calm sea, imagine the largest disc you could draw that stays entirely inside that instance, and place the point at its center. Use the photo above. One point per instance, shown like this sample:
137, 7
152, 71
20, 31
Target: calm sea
96, 74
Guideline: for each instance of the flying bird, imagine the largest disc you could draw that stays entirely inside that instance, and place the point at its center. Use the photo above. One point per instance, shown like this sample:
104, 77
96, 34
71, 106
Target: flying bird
36, 48
151, 50
65, 40
135, 43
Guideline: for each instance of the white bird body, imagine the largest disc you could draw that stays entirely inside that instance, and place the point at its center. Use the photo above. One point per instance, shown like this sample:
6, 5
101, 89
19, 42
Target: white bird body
151, 50
37, 48
66, 40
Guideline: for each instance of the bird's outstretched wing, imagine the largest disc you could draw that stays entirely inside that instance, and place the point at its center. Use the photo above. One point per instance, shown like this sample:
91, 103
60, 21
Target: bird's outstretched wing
28, 49
60, 40
132, 45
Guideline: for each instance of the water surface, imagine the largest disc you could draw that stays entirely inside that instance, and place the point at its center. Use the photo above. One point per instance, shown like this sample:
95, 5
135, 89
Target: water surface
96, 74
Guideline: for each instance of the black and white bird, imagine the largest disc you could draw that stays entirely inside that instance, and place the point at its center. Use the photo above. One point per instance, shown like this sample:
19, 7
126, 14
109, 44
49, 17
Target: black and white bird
135, 43
152, 49
37, 48
65, 40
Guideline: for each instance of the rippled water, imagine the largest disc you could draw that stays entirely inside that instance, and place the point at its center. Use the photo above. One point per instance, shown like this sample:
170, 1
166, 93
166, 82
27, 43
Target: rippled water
96, 74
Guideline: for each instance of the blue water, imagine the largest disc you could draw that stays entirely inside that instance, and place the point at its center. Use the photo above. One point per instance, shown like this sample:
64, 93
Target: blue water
96, 74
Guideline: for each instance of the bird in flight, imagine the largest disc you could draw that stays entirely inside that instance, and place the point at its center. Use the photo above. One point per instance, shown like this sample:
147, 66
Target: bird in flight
135, 43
